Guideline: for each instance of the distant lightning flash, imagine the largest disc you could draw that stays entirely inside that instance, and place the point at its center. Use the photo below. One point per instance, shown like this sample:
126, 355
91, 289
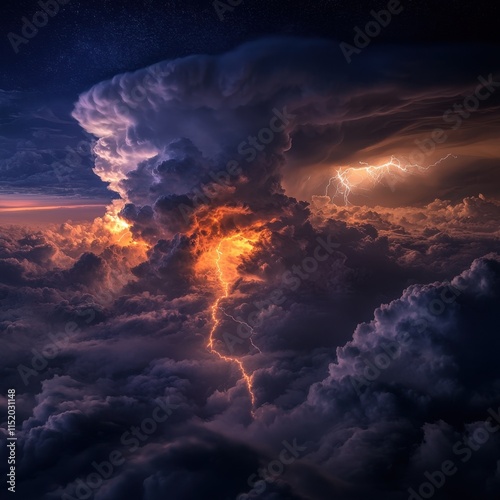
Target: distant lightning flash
346, 180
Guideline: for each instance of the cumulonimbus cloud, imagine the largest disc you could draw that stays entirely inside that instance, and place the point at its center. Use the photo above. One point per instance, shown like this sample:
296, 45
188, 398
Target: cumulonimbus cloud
163, 131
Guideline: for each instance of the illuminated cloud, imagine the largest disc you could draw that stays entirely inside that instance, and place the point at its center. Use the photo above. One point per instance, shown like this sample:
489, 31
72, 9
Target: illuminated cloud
178, 273
163, 130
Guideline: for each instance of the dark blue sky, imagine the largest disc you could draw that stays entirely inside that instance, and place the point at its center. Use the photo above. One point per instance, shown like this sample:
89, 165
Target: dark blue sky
90, 41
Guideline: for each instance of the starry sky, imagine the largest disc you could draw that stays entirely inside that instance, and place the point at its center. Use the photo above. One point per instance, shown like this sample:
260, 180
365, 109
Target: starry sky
235, 265
87, 42
91, 41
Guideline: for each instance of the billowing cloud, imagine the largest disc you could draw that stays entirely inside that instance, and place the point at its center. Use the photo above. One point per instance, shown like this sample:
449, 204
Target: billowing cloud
212, 328
194, 115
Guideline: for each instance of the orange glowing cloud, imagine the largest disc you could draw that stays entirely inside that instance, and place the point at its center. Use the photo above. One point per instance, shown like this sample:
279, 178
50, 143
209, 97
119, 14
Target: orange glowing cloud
222, 246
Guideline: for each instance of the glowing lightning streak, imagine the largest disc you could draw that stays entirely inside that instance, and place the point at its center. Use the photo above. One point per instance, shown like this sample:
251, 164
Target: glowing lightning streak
216, 322
345, 184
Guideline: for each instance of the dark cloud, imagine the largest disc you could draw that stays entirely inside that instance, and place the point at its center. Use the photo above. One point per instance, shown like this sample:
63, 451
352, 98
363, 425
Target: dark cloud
335, 114
302, 279
42, 149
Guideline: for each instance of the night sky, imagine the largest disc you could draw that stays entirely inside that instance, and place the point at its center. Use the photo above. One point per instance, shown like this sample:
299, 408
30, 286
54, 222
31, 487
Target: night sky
250, 250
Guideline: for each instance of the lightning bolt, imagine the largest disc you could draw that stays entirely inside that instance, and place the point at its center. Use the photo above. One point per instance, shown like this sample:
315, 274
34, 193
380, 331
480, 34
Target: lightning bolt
225, 285
345, 182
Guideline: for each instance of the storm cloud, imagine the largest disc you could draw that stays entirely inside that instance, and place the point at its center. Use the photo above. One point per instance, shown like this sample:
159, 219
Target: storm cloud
119, 391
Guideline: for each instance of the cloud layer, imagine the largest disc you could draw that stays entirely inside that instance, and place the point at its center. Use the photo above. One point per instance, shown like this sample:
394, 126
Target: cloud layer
106, 335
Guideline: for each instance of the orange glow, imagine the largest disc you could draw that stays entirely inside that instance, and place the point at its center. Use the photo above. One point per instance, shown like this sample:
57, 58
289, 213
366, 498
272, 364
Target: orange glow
120, 228
122, 236
225, 284
222, 249
41, 210
45, 207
